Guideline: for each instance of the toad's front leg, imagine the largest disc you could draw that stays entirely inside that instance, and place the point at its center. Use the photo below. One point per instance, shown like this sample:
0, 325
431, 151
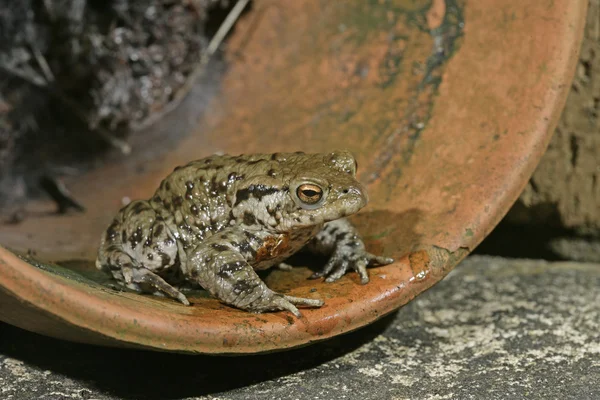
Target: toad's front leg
220, 265
340, 240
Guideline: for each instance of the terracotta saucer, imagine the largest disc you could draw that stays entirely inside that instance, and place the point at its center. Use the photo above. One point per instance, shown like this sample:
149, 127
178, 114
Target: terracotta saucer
448, 106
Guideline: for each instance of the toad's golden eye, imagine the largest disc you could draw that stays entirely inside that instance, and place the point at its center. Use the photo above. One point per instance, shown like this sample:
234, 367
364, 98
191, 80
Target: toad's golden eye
309, 193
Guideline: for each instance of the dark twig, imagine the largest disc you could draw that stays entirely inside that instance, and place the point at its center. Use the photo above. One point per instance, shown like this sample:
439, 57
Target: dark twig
60, 194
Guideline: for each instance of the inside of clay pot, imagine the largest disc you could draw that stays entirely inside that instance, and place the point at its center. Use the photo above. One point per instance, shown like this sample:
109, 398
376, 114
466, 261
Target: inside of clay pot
351, 113
442, 149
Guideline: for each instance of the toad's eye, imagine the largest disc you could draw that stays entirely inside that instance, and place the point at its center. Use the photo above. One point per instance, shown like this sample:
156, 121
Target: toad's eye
309, 193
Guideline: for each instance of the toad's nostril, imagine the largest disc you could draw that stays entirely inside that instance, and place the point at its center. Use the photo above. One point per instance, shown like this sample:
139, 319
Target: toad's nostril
353, 190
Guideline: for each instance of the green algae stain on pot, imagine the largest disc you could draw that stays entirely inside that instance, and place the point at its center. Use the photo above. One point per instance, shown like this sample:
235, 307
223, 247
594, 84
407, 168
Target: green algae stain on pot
426, 72
366, 71
81, 271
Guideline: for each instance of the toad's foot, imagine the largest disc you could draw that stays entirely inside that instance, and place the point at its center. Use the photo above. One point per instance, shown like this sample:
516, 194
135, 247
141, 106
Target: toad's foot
346, 252
279, 302
146, 281
341, 262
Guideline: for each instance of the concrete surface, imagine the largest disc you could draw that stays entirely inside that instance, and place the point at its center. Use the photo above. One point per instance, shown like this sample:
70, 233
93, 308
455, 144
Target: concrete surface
494, 329
577, 249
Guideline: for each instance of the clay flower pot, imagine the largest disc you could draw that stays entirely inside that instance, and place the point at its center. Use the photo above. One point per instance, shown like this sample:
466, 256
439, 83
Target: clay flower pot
448, 106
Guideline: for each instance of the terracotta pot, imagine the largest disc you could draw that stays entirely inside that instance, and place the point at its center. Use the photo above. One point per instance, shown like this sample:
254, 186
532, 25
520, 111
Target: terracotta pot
448, 106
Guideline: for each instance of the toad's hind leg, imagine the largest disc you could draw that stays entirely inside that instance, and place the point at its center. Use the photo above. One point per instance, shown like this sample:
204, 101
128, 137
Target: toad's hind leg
138, 250
221, 269
141, 279
148, 281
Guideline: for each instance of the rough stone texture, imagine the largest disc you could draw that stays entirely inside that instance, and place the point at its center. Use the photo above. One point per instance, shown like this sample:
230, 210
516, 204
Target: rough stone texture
494, 329
565, 189
576, 249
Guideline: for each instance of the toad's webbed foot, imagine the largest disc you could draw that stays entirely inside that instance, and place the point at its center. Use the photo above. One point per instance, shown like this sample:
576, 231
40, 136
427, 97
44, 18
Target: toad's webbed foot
279, 302
346, 250
343, 261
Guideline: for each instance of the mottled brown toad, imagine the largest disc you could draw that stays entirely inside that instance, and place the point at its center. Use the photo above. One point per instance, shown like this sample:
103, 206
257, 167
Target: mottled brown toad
214, 221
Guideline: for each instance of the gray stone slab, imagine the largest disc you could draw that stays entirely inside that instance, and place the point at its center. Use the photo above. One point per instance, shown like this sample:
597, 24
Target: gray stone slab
577, 249
493, 329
